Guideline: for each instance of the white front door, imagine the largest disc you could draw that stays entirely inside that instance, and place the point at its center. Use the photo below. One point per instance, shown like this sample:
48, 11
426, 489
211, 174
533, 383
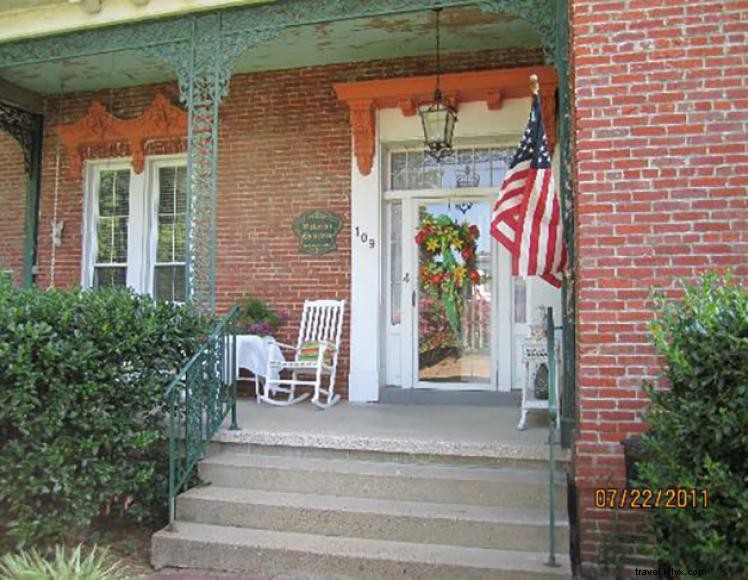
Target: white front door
454, 299
448, 319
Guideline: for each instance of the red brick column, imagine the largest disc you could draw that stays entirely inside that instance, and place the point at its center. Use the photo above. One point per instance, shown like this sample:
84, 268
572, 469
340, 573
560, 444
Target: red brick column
661, 174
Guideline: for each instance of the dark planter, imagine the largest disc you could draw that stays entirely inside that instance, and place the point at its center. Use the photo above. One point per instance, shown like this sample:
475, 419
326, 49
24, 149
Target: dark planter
633, 453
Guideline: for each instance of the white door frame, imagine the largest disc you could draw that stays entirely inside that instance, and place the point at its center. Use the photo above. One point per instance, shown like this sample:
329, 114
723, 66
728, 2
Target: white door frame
476, 123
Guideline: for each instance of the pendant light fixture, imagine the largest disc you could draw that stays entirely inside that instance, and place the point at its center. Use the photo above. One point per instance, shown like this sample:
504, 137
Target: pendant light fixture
438, 117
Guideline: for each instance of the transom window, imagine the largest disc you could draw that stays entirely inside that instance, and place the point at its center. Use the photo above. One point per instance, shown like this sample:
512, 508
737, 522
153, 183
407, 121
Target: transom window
136, 227
468, 167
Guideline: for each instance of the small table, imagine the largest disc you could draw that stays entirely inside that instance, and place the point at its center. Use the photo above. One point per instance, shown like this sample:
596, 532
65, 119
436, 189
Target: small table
534, 354
253, 353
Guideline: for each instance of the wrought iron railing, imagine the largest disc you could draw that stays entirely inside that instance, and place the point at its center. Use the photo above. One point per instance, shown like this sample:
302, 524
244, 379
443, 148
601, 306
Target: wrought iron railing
553, 416
200, 397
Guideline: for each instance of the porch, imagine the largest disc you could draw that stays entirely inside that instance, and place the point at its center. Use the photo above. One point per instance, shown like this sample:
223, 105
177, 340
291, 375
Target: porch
459, 432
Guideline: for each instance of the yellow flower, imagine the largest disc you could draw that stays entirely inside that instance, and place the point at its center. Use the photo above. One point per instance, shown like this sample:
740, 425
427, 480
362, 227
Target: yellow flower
432, 245
460, 272
456, 241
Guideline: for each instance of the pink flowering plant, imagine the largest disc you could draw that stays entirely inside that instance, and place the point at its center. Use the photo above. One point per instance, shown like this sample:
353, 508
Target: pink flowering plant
258, 318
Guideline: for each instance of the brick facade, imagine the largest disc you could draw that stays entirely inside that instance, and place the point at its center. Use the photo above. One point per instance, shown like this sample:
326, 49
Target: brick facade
12, 206
284, 148
661, 175
660, 179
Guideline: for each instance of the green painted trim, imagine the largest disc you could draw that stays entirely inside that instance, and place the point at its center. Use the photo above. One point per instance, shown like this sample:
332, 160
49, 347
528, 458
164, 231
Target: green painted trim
568, 294
98, 41
33, 191
249, 25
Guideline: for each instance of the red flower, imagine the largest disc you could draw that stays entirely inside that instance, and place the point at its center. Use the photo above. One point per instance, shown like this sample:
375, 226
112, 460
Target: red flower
420, 236
467, 253
436, 279
474, 231
474, 276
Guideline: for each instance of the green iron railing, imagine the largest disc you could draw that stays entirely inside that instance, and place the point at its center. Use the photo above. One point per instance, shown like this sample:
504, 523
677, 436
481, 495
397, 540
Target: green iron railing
200, 397
553, 416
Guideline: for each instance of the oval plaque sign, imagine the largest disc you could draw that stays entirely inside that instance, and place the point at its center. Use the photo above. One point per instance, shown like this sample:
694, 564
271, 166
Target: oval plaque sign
317, 231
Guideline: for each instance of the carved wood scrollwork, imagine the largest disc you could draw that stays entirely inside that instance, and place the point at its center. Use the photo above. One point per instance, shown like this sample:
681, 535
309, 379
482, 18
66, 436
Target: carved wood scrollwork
362, 124
492, 86
101, 134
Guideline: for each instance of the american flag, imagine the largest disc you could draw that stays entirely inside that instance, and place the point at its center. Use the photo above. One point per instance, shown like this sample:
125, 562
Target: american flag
526, 217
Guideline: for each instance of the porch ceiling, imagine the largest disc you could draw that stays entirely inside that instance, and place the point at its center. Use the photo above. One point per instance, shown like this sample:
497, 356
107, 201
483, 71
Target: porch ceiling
463, 29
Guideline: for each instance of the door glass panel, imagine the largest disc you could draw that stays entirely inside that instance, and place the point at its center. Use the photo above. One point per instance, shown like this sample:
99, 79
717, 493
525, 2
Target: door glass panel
454, 298
112, 222
396, 262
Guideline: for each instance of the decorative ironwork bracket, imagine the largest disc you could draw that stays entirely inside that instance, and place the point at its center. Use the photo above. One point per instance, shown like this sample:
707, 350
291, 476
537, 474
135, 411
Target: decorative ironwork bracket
20, 125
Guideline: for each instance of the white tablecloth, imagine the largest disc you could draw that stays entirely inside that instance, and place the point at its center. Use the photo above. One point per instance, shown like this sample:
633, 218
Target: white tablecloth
252, 352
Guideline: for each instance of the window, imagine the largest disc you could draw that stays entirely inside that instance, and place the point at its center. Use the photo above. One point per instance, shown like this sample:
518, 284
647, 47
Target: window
112, 220
473, 167
136, 227
169, 269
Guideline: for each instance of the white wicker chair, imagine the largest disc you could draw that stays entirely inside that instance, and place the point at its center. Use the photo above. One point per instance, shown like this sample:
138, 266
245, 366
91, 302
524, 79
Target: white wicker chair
316, 353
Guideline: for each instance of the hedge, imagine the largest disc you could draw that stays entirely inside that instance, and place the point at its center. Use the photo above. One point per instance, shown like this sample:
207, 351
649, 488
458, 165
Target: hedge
698, 434
82, 409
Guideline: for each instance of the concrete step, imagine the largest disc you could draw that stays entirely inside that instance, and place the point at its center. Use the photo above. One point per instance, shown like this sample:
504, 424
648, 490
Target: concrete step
507, 528
504, 486
454, 453
235, 549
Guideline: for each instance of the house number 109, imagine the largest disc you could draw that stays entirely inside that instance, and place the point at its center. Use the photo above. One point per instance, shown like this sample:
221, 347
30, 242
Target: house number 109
364, 237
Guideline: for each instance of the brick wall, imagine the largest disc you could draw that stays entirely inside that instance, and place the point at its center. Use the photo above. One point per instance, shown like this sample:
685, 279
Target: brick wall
661, 175
12, 206
284, 149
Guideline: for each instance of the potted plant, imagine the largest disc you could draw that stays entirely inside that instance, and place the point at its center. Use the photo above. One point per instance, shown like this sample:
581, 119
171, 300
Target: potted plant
258, 318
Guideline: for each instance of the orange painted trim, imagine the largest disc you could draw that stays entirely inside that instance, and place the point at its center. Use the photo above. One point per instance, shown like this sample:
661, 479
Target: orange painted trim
491, 86
100, 133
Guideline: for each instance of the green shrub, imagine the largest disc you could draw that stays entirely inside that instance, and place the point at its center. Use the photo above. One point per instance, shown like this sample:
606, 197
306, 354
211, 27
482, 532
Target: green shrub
698, 434
65, 565
82, 409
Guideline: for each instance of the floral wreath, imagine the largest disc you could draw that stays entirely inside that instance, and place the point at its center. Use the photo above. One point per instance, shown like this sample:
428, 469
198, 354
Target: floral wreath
442, 276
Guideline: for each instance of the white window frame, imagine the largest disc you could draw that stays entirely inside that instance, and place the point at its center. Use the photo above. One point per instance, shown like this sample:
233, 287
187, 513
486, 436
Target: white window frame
153, 193
141, 231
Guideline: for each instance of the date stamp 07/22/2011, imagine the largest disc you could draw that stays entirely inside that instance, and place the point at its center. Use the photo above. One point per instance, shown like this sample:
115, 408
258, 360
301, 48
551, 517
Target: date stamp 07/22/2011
645, 498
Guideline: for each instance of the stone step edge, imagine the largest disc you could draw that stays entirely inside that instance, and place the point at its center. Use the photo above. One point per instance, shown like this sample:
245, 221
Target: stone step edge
344, 547
499, 474
409, 446
382, 507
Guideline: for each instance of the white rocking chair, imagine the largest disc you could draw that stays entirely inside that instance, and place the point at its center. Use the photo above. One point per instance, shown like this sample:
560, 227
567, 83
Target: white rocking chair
316, 353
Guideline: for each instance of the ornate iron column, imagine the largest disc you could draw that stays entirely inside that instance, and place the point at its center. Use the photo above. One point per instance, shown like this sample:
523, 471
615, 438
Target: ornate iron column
26, 128
203, 64
562, 54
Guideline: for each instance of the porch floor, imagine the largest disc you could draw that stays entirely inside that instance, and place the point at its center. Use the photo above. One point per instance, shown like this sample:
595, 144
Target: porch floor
459, 431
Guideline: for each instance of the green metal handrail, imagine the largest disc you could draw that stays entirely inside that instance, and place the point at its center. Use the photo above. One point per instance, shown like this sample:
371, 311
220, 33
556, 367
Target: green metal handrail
200, 396
552, 415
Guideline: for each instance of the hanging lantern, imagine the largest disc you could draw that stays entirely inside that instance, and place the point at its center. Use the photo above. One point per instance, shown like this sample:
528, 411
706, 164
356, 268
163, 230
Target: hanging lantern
438, 117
